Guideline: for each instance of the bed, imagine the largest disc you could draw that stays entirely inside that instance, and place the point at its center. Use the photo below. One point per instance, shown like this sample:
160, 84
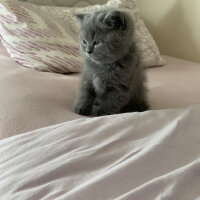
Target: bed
49, 152
32, 100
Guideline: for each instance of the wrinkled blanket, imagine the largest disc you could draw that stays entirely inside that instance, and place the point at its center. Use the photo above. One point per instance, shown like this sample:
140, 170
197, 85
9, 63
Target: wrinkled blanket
135, 156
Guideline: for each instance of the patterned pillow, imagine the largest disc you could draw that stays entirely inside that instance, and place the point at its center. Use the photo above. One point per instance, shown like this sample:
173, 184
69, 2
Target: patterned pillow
46, 37
35, 39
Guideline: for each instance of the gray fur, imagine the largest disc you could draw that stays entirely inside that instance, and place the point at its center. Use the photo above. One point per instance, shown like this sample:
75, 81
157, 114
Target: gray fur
112, 78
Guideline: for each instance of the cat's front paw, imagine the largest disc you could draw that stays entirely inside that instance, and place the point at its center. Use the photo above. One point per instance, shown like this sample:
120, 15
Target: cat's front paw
81, 110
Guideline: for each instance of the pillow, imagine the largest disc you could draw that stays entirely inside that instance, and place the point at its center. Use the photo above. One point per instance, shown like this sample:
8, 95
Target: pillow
33, 38
46, 37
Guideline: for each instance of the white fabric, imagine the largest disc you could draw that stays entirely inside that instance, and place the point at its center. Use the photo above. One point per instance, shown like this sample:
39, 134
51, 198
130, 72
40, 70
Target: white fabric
36, 39
138, 156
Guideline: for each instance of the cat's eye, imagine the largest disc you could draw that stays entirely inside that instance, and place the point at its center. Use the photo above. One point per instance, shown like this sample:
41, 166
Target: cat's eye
84, 42
95, 43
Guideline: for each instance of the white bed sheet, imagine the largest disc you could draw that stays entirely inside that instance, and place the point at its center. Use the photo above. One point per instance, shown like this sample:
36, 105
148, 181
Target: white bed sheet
138, 156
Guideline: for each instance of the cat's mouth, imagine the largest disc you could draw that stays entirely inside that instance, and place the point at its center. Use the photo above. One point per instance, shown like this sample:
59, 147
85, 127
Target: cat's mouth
94, 57
96, 60
99, 58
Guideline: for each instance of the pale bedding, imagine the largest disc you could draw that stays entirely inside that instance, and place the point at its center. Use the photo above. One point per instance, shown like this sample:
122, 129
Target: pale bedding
31, 99
138, 156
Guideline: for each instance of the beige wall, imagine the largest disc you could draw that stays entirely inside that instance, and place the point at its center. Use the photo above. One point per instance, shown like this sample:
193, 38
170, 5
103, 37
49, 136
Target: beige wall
175, 25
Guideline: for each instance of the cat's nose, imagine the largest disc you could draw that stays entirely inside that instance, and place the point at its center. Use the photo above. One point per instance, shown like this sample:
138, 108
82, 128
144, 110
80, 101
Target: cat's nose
89, 49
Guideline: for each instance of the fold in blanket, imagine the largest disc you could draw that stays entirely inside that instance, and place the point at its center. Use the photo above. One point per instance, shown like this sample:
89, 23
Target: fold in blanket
136, 156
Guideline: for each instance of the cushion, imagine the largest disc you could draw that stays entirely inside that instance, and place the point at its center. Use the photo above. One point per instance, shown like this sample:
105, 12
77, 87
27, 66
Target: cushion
33, 38
46, 37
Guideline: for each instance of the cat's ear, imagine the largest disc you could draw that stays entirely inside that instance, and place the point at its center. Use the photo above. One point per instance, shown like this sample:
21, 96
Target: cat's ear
80, 17
115, 20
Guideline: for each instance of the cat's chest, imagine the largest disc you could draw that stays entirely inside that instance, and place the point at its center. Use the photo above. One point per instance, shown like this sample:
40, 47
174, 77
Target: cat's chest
102, 81
99, 82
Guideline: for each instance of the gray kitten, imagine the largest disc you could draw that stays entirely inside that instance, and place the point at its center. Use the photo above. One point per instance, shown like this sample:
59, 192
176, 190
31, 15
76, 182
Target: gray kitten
112, 79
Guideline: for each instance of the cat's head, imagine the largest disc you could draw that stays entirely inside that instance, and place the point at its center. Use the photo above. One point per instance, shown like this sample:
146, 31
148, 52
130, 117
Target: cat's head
105, 35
